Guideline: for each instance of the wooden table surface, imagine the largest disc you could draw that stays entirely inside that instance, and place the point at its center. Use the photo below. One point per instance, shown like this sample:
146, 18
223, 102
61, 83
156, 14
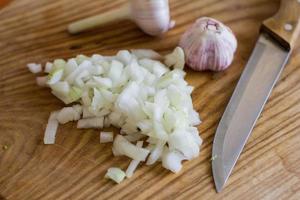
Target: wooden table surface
73, 168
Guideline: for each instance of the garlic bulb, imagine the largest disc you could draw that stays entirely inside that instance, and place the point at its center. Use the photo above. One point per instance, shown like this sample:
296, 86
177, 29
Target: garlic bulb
152, 16
208, 45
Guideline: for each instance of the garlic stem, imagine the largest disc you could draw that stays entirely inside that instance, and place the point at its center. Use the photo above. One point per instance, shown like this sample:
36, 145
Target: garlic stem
98, 20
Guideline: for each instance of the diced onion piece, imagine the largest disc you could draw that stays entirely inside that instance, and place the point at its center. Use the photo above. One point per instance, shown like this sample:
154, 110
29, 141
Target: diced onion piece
81, 58
103, 82
96, 58
159, 131
59, 63
145, 125
86, 113
152, 140
106, 137
124, 56
134, 163
129, 127
81, 78
146, 53
61, 87
195, 135
75, 94
85, 65
106, 122
135, 72
96, 122
115, 174
67, 114
176, 58
115, 71
98, 70
70, 66
182, 141
134, 137
122, 146
48, 67
159, 69
98, 100
42, 81
194, 118
156, 153
51, 129
61, 97
116, 119
34, 68
55, 76
116, 153
171, 160
78, 108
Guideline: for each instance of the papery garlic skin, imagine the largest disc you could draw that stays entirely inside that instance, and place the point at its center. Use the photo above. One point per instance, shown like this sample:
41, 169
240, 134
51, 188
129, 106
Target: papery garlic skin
208, 45
152, 16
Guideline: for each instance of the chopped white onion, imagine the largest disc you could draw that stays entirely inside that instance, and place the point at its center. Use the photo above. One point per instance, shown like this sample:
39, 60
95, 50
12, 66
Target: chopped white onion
34, 68
133, 137
115, 174
124, 147
134, 163
146, 53
55, 76
124, 56
115, 71
51, 129
68, 114
106, 137
106, 122
48, 67
78, 108
156, 153
176, 58
133, 91
103, 82
183, 142
172, 160
96, 122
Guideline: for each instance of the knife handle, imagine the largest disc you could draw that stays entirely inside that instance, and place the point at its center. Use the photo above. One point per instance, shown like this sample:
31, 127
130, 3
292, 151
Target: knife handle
284, 26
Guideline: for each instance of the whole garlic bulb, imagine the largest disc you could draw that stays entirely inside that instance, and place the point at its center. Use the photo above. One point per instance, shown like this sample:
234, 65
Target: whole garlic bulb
152, 16
208, 45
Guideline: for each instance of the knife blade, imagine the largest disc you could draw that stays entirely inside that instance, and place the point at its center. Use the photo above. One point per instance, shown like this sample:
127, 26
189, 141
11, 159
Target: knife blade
265, 64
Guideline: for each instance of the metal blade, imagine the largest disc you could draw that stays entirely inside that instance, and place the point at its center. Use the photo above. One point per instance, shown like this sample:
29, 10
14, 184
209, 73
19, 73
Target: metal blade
251, 93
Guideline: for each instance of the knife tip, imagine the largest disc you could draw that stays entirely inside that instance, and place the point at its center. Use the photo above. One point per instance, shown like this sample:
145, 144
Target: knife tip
219, 186
218, 175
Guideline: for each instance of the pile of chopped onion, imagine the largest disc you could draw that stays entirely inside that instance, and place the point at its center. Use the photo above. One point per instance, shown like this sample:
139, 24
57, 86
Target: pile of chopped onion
148, 100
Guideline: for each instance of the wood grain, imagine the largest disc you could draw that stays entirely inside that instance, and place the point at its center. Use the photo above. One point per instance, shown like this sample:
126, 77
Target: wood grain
73, 168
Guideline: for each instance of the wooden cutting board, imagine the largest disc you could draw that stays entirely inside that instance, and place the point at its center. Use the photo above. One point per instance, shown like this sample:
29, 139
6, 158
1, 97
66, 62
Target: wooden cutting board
73, 168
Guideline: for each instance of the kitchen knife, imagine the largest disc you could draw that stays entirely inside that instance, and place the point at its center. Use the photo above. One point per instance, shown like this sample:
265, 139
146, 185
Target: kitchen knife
276, 40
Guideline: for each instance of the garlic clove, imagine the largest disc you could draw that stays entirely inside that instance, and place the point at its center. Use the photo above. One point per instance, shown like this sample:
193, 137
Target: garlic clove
208, 45
152, 16
175, 59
